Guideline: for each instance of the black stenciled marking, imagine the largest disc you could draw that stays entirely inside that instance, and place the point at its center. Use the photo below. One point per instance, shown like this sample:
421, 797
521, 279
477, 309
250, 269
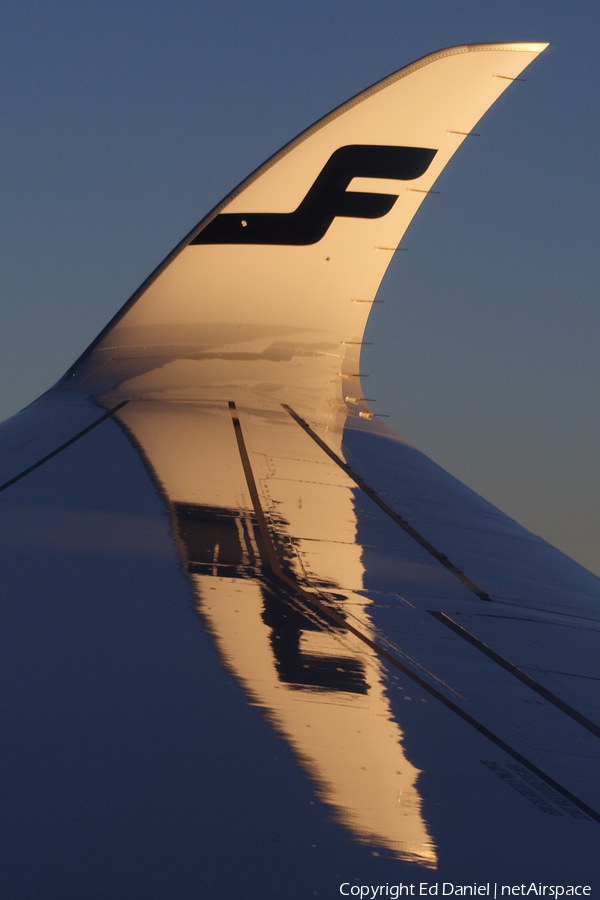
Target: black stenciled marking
547, 791
524, 789
326, 199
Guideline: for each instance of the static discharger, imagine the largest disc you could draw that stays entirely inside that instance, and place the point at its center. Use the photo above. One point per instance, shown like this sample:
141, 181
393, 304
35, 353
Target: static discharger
393, 250
370, 415
508, 78
417, 191
352, 375
466, 133
371, 301
358, 343
360, 400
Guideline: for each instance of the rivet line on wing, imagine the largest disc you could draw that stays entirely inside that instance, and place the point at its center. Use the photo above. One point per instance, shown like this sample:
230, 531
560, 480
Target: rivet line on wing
312, 600
370, 492
62, 447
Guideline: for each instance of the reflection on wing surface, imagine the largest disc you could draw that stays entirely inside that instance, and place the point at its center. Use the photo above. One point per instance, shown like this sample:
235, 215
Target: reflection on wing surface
317, 685
431, 665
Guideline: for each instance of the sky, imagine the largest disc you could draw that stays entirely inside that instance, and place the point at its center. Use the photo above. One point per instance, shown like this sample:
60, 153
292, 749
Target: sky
124, 123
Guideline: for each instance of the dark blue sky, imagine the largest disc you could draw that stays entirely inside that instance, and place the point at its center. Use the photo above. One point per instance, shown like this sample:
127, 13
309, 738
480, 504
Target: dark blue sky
124, 123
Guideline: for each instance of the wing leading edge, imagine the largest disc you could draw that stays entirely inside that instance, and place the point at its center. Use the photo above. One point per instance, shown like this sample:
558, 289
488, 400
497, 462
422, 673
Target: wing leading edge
429, 664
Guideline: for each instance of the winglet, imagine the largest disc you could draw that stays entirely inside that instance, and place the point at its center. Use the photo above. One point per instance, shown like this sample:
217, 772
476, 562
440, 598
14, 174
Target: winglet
261, 294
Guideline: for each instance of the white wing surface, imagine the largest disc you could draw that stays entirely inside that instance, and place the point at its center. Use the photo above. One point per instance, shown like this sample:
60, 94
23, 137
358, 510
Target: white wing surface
255, 643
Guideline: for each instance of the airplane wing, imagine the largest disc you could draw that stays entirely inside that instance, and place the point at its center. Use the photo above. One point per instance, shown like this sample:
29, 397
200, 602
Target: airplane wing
256, 644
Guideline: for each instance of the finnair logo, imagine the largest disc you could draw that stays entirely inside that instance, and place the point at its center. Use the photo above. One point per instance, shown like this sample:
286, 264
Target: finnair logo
327, 199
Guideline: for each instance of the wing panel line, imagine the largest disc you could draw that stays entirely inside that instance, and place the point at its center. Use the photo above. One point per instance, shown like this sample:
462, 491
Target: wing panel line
62, 447
518, 673
312, 600
441, 558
